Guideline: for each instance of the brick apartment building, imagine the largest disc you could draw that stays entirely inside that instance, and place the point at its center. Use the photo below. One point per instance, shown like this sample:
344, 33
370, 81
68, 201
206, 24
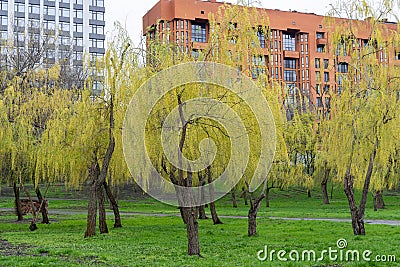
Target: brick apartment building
298, 57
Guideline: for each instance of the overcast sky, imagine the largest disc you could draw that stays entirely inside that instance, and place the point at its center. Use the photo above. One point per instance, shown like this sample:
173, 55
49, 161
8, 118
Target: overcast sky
130, 12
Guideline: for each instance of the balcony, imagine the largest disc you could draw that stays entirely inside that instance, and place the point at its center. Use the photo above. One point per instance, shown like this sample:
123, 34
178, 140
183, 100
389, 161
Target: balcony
291, 54
322, 41
198, 45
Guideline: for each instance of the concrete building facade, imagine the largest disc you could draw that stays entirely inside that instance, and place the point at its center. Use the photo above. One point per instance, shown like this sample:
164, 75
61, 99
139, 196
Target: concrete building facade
73, 28
297, 52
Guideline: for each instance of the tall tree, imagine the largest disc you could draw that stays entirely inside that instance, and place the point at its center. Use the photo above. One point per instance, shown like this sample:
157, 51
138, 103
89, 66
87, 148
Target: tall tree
361, 136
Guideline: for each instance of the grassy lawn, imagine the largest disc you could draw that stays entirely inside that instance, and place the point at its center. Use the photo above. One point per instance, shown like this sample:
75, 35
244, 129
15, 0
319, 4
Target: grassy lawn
161, 241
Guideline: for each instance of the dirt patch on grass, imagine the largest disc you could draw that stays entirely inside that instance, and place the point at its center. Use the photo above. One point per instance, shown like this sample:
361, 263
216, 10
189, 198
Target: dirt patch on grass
8, 249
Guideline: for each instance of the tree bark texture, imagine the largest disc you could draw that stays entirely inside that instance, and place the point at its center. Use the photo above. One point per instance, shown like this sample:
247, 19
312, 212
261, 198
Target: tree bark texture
114, 205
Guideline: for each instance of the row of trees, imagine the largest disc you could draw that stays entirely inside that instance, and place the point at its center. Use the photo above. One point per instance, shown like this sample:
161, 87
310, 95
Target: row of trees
50, 134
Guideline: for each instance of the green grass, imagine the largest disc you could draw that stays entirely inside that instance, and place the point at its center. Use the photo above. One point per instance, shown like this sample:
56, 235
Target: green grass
161, 241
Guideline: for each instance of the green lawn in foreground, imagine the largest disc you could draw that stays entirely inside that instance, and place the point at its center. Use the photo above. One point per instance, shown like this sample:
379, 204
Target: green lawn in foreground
161, 241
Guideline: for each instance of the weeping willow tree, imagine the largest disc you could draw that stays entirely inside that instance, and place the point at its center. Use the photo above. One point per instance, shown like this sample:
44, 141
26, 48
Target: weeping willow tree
28, 103
234, 42
362, 137
83, 141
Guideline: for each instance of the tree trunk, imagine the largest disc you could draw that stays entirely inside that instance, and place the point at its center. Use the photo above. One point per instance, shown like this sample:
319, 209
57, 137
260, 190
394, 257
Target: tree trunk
202, 213
17, 201
267, 197
324, 184
234, 202
378, 201
325, 191
200, 209
357, 221
114, 205
244, 195
92, 201
102, 210
254, 207
214, 215
192, 229
308, 193
43, 209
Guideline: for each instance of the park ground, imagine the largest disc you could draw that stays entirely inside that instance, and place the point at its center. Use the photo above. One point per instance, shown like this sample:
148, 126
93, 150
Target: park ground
154, 235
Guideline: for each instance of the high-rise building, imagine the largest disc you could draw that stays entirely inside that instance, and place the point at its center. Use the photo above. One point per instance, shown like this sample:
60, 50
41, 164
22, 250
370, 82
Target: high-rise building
65, 30
297, 52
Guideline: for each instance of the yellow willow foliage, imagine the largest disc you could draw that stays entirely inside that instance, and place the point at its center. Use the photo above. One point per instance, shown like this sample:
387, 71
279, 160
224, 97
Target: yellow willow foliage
367, 108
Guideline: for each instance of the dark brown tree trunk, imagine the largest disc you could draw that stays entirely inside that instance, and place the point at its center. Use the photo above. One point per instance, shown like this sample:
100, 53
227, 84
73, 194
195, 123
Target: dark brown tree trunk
43, 209
357, 221
92, 201
324, 184
308, 193
325, 191
202, 213
378, 201
192, 229
254, 207
213, 211
102, 211
357, 214
17, 201
244, 195
267, 197
114, 205
200, 209
234, 202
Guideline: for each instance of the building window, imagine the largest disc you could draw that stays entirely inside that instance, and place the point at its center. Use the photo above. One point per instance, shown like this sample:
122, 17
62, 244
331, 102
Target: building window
319, 102
326, 88
3, 6
78, 55
258, 67
19, 22
289, 41
290, 63
317, 63
78, 41
49, 24
65, 1
343, 67
318, 76
97, 43
3, 20
97, 29
97, 15
78, 13
289, 75
321, 48
64, 12
65, 40
199, 33
64, 26
78, 27
99, 3
326, 63
34, 9
79, 2
34, 23
327, 102
19, 7
318, 89
49, 10
320, 35
261, 38
326, 76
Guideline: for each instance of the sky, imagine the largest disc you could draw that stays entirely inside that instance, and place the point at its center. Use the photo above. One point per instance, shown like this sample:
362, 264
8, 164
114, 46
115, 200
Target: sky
130, 12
